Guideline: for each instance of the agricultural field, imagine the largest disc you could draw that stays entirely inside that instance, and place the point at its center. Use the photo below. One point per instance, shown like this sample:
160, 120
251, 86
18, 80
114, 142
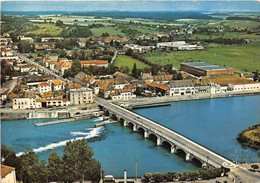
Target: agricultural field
44, 29
112, 31
244, 58
126, 61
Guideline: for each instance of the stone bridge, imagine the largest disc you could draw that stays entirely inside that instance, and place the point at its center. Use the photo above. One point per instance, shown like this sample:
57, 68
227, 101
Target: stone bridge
177, 143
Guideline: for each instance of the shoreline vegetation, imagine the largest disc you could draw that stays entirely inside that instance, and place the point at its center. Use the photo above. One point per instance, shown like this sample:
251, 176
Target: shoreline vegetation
201, 174
250, 137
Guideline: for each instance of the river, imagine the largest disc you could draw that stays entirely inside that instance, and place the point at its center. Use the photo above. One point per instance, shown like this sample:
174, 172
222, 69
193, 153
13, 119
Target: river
213, 123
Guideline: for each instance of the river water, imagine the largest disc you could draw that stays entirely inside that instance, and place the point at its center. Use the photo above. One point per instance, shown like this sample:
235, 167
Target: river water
213, 123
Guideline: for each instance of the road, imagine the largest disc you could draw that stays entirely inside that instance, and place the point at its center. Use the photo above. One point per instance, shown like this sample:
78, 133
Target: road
241, 174
184, 143
40, 67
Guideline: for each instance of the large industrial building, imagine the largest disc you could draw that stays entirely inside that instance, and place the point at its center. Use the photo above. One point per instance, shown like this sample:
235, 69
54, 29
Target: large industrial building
205, 69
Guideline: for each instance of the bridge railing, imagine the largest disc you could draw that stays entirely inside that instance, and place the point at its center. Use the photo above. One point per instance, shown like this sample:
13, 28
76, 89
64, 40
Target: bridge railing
182, 135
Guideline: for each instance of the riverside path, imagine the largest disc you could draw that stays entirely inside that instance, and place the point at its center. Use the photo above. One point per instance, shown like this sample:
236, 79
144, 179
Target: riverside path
163, 135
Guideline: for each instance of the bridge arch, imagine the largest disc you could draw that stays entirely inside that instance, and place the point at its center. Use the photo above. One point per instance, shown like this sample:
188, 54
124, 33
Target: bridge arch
106, 112
113, 117
167, 145
122, 121
196, 161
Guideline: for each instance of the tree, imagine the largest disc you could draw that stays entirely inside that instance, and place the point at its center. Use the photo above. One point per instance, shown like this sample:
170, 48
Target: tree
134, 71
29, 161
54, 167
78, 162
25, 47
76, 67
59, 23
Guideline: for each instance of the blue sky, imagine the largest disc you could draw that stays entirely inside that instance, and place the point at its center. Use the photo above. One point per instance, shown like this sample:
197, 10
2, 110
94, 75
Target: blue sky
143, 5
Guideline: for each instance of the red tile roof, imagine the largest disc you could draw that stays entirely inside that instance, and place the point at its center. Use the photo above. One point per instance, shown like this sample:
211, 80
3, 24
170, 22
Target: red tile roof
5, 170
94, 62
44, 84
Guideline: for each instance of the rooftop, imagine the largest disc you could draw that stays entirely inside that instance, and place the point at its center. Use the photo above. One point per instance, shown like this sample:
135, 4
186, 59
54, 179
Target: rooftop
5, 170
204, 66
58, 82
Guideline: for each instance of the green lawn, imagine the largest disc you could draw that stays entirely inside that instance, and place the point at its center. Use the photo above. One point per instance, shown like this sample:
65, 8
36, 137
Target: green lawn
50, 29
242, 58
126, 61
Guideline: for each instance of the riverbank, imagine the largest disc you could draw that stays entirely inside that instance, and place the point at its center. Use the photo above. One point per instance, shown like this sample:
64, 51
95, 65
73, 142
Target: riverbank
250, 137
45, 113
199, 96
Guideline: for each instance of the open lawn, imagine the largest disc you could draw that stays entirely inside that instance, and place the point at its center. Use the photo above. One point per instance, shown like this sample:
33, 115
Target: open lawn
46, 29
126, 61
242, 58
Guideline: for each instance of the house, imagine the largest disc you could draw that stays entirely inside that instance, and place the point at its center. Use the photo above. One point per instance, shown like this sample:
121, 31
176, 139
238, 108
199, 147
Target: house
147, 76
99, 63
34, 81
29, 39
23, 88
162, 78
58, 85
27, 68
62, 66
57, 102
24, 103
48, 39
244, 86
125, 76
106, 89
80, 96
44, 87
7, 174
181, 87
53, 94
123, 94
159, 88
120, 83
84, 79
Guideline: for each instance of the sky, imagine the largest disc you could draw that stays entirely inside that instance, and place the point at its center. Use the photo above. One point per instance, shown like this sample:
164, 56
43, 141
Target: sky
131, 5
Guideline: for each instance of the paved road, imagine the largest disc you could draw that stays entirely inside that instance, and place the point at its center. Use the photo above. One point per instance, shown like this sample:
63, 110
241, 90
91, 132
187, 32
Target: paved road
242, 174
40, 67
184, 143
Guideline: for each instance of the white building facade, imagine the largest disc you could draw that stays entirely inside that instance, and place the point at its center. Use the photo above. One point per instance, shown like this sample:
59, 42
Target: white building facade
81, 96
24, 103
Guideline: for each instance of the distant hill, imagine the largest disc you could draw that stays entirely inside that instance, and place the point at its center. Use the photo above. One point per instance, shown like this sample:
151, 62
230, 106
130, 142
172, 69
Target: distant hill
161, 15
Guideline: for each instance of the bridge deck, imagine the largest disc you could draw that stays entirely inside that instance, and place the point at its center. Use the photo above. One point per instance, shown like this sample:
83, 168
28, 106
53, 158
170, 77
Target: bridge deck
198, 151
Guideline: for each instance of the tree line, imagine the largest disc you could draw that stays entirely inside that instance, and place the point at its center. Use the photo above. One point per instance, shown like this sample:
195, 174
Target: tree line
76, 164
189, 175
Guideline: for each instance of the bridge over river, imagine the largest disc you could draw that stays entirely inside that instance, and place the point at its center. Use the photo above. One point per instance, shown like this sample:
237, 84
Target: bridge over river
164, 135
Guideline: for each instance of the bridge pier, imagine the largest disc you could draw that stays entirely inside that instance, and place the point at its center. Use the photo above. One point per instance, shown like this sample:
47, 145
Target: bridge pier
159, 141
173, 149
205, 165
188, 157
134, 127
125, 123
146, 134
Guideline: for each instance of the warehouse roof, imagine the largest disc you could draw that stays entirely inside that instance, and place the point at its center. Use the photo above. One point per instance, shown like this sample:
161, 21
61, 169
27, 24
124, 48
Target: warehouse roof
204, 66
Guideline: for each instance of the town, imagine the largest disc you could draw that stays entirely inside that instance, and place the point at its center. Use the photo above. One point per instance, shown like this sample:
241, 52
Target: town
74, 78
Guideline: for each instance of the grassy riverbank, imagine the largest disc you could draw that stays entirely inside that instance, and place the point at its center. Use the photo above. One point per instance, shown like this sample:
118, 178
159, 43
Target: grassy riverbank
250, 137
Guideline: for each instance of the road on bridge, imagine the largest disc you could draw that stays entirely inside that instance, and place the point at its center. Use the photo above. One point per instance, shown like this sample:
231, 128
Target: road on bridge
182, 142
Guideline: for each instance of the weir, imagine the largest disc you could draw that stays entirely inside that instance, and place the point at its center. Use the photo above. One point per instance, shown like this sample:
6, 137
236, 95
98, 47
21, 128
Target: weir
177, 141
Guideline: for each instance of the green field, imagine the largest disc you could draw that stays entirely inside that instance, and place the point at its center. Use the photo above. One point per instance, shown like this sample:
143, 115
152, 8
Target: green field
242, 58
49, 29
126, 61
113, 31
